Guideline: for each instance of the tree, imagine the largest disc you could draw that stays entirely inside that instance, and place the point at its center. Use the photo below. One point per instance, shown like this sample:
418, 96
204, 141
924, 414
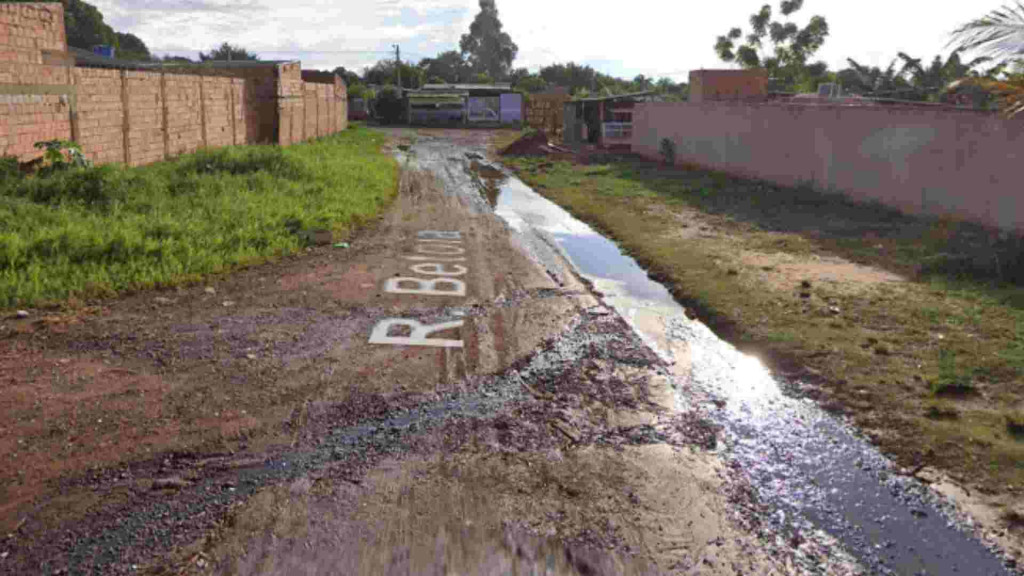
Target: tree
532, 84
227, 51
792, 46
383, 73
642, 83
350, 78
571, 75
131, 47
486, 47
931, 82
873, 81
85, 27
448, 67
999, 34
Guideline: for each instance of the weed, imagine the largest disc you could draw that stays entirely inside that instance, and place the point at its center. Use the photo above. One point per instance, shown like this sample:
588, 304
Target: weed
668, 151
100, 230
10, 169
942, 412
61, 155
1014, 352
1015, 425
952, 380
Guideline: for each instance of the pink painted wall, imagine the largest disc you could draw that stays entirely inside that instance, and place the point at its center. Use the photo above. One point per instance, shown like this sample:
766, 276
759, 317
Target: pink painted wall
934, 161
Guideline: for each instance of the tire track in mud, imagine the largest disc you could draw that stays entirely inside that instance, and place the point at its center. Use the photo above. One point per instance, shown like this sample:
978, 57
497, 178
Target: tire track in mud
340, 444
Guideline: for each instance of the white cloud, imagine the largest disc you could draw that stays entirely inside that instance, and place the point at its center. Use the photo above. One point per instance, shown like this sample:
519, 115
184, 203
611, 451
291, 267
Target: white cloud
651, 37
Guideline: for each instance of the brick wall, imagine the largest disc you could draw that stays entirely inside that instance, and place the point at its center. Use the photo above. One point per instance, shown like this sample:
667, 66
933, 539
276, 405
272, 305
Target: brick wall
184, 113
708, 85
100, 114
35, 99
138, 117
546, 111
144, 123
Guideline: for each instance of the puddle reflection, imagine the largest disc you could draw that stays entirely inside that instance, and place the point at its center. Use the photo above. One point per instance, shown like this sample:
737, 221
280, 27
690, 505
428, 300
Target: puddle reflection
814, 469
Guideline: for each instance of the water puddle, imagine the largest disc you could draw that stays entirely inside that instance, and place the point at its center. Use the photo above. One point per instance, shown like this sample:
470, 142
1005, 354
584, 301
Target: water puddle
816, 472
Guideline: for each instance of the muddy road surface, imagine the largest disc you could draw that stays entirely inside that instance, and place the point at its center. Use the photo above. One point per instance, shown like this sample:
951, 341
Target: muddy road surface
480, 384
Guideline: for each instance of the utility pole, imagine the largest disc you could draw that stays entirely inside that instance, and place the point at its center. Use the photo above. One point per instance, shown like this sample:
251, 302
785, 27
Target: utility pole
398, 66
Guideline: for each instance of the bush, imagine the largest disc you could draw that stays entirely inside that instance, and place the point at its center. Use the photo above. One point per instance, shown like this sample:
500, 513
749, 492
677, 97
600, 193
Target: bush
668, 151
390, 106
61, 155
10, 170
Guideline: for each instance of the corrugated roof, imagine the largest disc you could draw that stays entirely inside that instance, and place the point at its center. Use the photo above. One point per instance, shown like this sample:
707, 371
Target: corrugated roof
466, 87
616, 97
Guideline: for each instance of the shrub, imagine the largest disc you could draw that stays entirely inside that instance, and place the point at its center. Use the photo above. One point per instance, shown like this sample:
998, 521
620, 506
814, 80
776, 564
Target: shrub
668, 151
952, 381
389, 106
10, 170
1015, 425
239, 161
61, 155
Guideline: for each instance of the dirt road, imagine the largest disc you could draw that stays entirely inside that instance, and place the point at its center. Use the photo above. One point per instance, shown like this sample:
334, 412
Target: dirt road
450, 394
446, 392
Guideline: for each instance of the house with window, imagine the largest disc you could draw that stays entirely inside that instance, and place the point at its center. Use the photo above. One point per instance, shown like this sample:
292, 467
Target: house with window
606, 122
472, 104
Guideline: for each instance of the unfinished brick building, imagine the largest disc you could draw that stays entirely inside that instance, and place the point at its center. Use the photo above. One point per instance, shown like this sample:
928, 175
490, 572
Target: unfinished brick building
138, 113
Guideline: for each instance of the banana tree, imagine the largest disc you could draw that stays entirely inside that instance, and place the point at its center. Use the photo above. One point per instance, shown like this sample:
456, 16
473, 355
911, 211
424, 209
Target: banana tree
932, 81
872, 81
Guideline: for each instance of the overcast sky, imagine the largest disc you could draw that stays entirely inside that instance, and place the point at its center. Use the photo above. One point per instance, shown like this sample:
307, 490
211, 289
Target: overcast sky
651, 37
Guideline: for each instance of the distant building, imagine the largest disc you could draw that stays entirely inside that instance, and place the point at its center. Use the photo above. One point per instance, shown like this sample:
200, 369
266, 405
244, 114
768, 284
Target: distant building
709, 85
478, 104
606, 121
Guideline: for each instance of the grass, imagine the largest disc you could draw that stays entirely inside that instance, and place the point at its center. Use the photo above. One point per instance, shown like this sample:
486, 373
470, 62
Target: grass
103, 230
913, 326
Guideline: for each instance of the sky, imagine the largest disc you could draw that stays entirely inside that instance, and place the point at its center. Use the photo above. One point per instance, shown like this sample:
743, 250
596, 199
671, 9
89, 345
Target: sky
652, 37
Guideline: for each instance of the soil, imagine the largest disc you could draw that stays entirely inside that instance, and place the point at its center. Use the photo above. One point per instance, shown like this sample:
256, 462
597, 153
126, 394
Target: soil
246, 425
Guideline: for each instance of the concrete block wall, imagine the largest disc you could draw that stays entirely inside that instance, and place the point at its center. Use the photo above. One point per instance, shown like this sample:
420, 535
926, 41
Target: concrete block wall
35, 99
933, 161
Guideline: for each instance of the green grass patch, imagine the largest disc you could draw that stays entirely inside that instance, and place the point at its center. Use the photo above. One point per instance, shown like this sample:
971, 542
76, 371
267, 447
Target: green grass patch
98, 231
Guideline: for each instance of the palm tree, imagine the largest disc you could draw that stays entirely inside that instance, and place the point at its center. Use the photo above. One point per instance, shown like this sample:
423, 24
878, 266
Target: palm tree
999, 34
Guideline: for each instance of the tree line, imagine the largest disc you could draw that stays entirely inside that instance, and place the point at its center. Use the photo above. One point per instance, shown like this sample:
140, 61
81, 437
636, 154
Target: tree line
774, 40
776, 43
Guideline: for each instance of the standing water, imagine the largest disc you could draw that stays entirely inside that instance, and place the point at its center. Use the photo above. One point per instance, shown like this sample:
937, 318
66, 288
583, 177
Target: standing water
814, 471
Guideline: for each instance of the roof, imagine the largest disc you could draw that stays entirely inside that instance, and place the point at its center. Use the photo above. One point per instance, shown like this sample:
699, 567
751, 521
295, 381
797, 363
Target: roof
87, 58
616, 97
505, 87
439, 98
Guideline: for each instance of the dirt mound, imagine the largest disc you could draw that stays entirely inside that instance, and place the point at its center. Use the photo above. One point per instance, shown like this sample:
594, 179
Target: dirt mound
535, 144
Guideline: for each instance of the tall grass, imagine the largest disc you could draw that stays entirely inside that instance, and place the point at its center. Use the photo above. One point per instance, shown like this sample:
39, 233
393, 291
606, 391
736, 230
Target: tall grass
101, 230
